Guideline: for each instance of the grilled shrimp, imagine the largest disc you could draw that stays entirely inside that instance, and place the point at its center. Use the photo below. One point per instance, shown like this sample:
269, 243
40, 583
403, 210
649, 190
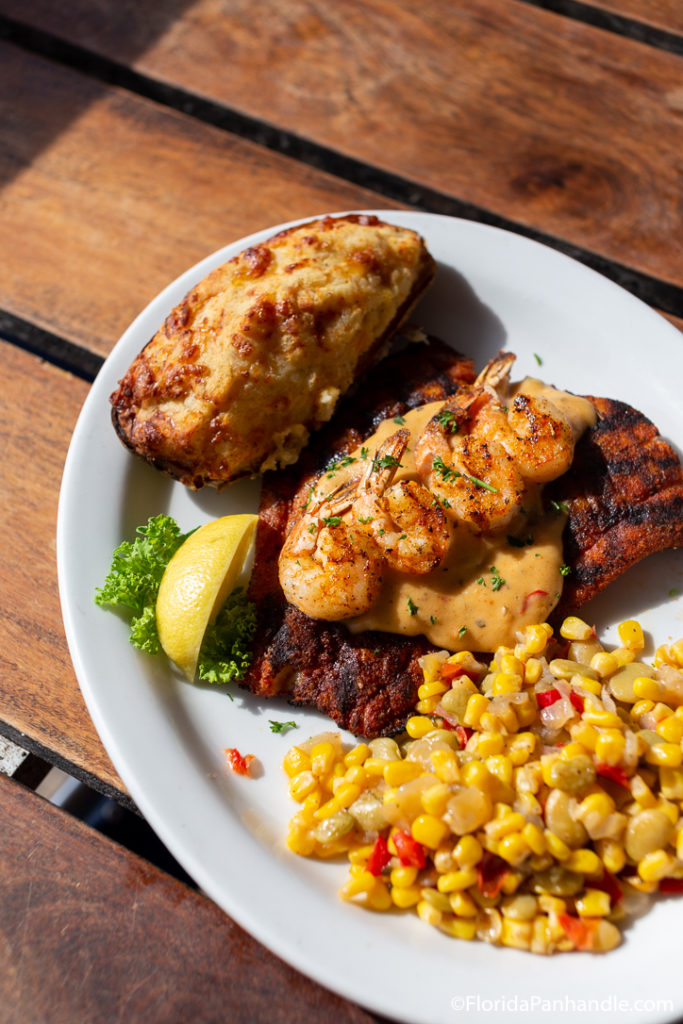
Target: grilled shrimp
403, 518
328, 567
477, 454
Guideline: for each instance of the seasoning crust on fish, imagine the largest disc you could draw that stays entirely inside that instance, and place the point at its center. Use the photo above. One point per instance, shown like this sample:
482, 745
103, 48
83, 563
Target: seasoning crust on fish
258, 353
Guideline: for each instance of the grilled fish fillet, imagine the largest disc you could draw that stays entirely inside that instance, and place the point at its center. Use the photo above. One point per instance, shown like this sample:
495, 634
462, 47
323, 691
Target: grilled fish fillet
257, 354
625, 499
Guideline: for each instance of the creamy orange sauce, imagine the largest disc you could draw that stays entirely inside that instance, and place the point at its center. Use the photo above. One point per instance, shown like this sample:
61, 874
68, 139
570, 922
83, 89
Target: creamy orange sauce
487, 588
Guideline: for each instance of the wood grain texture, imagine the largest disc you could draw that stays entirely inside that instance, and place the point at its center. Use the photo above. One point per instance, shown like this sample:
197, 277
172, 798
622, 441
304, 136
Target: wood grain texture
107, 198
39, 695
541, 119
89, 932
663, 14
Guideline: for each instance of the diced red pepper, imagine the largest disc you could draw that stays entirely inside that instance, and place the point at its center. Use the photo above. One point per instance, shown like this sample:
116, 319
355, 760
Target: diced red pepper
240, 763
409, 851
379, 856
615, 773
671, 885
580, 931
451, 670
609, 884
547, 697
534, 593
577, 701
492, 871
463, 732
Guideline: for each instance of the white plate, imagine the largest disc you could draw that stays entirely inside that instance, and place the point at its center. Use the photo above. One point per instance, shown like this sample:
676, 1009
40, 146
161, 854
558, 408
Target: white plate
166, 738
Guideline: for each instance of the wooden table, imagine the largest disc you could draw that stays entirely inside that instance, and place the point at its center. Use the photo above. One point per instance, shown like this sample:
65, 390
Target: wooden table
136, 139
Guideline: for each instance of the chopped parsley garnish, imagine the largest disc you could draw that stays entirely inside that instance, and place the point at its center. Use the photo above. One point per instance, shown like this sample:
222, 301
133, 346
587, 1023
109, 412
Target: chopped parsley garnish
497, 580
481, 581
448, 420
412, 607
332, 520
311, 491
538, 359
674, 591
399, 420
281, 726
565, 569
433, 619
364, 452
559, 506
462, 631
365, 520
384, 462
447, 474
312, 528
520, 542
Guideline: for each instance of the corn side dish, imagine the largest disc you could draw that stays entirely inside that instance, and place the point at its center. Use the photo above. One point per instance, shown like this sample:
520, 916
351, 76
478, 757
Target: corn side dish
529, 800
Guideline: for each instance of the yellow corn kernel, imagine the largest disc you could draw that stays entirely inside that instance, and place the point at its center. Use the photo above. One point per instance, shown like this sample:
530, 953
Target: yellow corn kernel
506, 682
403, 877
360, 854
429, 830
595, 715
534, 838
296, 760
594, 810
502, 767
670, 809
514, 849
661, 711
427, 913
586, 683
311, 803
323, 756
671, 729
641, 792
437, 899
556, 847
462, 904
664, 656
585, 734
346, 793
456, 881
668, 754
516, 934
375, 765
532, 671
475, 774
477, 705
435, 799
609, 746
490, 743
511, 882
584, 861
362, 882
357, 755
671, 783
631, 634
326, 810
445, 765
409, 896
574, 628
379, 897
604, 663
427, 706
676, 651
467, 852
505, 824
624, 656
656, 865
459, 928
418, 726
510, 663
642, 707
551, 904
646, 688
356, 775
612, 854
679, 843
300, 841
593, 903
490, 723
432, 689
397, 772
536, 637
301, 785
521, 747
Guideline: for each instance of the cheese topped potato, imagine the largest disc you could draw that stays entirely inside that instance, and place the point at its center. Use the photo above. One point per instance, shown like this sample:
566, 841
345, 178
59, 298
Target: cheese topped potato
259, 351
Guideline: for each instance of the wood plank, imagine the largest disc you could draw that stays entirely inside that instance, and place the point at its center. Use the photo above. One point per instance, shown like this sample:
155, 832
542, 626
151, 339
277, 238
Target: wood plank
546, 121
107, 198
666, 15
90, 932
39, 695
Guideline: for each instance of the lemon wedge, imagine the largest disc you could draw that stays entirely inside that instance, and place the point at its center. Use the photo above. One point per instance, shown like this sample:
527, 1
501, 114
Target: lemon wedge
196, 583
